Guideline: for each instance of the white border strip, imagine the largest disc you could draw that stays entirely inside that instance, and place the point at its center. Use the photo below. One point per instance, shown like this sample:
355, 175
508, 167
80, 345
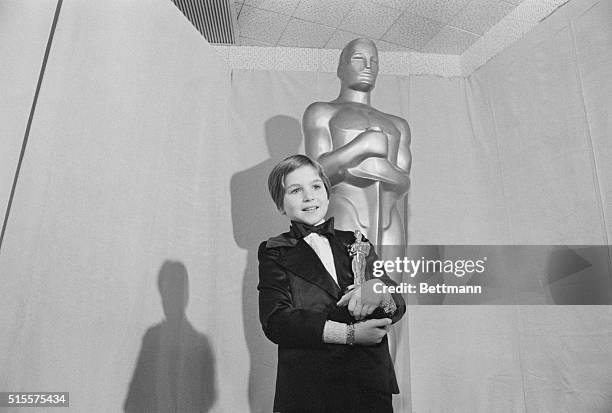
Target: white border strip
511, 28
326, 60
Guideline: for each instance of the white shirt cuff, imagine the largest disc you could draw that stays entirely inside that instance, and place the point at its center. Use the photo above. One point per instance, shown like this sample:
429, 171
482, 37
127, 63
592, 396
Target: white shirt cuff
334, 332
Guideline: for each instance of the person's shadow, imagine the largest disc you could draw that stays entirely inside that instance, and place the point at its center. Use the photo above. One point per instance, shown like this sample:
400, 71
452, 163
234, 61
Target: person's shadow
175, 371
254, 219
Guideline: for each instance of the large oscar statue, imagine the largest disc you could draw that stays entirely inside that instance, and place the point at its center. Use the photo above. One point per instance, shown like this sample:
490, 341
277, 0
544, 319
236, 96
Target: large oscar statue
365, 152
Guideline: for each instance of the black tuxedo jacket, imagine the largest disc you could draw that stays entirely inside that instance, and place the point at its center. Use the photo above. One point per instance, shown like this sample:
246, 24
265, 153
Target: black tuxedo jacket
296, 296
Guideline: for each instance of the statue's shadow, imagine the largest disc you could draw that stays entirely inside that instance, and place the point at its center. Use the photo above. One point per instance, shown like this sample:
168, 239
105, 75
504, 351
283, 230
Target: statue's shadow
254, 219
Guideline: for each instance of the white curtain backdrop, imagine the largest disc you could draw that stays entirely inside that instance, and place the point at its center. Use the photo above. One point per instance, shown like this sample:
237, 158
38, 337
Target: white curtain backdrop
23, 37
146, 147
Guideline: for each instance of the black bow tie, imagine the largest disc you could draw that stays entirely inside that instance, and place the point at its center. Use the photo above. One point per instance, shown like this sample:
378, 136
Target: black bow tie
301, 230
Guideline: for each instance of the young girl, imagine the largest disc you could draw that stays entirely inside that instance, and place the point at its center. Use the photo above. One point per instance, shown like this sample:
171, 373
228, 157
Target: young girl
333, 354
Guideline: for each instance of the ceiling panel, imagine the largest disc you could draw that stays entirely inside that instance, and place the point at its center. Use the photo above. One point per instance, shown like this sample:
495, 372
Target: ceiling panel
262, 25
300, 33
413, 31
369, 19
329, 13
440, 10
395, 4
450, 40
385, 46
480, 15
278, 6
339, 39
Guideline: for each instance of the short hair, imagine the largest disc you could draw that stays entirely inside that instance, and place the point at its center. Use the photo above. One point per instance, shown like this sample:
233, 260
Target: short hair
276, 179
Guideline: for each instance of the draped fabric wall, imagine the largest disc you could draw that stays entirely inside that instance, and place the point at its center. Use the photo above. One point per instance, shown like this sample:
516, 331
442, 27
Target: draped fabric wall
23, 37
127, 166
146, 148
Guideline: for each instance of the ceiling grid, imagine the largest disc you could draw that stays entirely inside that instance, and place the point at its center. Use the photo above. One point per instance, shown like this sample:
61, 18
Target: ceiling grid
441, 37
430, 26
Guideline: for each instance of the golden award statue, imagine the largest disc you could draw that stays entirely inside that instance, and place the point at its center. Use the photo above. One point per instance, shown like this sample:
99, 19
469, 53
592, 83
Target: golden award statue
359, 250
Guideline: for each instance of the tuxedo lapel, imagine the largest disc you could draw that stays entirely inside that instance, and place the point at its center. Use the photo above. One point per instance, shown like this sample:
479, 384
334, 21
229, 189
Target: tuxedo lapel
304, 262
342, 261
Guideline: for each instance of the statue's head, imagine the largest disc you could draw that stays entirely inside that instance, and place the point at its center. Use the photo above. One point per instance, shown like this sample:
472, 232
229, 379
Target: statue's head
358, 65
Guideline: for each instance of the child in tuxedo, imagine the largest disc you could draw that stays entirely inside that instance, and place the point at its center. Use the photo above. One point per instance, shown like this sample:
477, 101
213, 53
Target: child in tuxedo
333, 354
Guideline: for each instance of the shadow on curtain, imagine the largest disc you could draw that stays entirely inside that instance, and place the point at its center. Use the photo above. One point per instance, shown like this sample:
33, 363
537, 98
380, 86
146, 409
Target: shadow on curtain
175, 371
254, 221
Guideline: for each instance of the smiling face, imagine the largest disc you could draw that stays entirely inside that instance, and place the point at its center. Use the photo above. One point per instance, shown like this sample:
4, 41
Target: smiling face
305, 198
358, 65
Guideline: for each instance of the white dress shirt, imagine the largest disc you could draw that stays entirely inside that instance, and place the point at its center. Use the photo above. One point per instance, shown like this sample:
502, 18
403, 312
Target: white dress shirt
333, 332
321, 247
